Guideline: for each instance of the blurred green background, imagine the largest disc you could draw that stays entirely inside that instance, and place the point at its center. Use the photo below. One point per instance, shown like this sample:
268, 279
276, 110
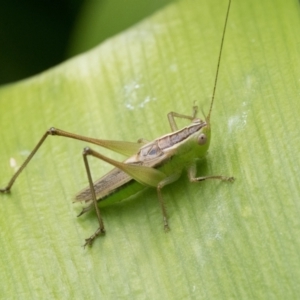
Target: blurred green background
38, 34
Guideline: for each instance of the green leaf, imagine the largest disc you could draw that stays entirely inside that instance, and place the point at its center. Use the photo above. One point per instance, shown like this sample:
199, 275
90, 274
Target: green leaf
227, 241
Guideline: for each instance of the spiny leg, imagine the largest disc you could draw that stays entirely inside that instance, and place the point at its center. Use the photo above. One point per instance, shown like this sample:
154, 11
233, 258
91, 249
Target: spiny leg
192, 175
15, 176
51, 131
163, 183
88, 151
89, 241
172, 115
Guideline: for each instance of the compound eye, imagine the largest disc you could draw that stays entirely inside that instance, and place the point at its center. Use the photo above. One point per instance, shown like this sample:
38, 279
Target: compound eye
202, 139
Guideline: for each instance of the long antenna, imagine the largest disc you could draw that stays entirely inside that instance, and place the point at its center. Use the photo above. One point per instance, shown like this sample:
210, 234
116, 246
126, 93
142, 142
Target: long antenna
218, 66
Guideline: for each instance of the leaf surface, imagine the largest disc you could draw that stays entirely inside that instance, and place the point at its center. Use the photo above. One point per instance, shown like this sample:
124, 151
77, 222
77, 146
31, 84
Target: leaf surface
227, 241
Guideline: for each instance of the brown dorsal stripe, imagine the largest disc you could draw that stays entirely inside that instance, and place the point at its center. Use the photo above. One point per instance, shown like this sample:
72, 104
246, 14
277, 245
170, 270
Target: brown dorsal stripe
178, 136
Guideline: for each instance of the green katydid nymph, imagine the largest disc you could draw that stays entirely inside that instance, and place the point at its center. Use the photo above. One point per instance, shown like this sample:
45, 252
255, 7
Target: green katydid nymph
150, 164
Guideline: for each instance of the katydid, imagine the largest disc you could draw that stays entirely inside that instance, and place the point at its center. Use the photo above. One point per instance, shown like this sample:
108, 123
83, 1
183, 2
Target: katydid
150, 164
